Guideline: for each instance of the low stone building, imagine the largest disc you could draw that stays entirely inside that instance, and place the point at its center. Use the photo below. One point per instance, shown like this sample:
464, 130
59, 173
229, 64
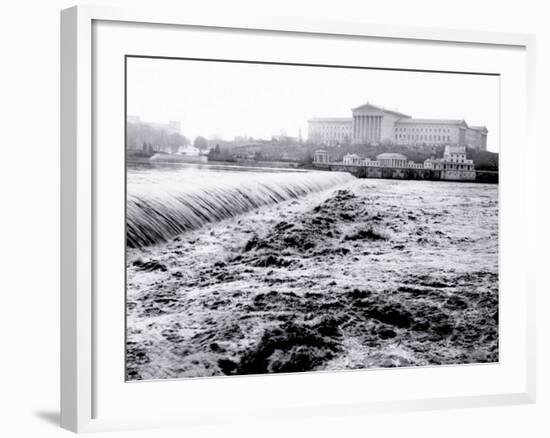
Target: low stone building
392, 160
352, 160
371, 163
454, 165
413, 165
321, 156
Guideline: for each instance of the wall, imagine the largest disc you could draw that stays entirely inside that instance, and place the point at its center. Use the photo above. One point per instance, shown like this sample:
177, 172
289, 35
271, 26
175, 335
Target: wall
420, 173
388, 127
29, 280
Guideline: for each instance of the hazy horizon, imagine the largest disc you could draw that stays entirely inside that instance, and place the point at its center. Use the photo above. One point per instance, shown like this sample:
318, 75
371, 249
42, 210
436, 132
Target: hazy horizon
225, 100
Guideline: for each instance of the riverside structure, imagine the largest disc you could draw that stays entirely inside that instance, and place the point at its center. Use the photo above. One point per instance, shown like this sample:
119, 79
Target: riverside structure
454, 166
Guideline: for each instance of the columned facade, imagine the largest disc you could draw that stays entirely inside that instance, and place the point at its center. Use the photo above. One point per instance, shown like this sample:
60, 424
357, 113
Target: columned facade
392, 160
321, 156
367, 128
374, 125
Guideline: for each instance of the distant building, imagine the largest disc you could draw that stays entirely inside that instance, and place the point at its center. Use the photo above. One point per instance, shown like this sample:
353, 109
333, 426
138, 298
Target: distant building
413, 165
429, 163
330, 131
374, 125
392, 160
454, 164
321, 156
437, 132
353, 160
371, 163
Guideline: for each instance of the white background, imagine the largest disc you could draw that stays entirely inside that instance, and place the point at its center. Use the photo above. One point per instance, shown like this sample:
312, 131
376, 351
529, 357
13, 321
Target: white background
29, 181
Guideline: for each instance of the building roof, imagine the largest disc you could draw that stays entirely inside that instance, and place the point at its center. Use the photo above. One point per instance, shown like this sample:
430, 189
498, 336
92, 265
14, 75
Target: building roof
371, 107
390, 156
352, 155
479, 128
331, 119
412, 121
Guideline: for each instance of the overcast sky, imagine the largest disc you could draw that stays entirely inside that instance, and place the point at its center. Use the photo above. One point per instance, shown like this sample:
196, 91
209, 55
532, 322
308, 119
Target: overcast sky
221, 99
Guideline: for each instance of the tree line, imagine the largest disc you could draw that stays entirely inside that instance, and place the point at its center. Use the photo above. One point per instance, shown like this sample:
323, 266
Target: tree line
144, 137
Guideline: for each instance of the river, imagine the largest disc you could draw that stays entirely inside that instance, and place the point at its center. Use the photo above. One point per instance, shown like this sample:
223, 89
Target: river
248, 271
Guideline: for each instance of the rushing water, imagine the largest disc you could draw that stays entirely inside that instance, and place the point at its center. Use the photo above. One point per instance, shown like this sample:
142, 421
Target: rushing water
162, 202
303, 271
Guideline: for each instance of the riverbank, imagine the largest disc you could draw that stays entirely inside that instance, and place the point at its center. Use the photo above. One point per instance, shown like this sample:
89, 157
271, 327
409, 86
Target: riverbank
262, 164
376, 172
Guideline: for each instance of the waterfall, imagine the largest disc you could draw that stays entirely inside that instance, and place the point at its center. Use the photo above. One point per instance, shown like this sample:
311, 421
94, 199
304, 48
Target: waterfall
161, 205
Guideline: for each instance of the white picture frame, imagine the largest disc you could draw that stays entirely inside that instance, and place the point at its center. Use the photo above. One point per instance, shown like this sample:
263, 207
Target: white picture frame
79, 168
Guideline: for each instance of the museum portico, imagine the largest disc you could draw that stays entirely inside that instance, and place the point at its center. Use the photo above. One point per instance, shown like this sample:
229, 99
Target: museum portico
372, 124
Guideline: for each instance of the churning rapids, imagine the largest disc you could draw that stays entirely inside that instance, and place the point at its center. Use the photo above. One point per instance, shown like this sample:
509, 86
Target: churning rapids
247, 272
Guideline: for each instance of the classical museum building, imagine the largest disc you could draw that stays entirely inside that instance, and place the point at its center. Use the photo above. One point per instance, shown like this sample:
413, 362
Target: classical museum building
374, 125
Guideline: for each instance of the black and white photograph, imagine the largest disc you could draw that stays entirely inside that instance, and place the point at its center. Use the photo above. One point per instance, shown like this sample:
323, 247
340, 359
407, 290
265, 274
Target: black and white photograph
275, 219
285, 218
